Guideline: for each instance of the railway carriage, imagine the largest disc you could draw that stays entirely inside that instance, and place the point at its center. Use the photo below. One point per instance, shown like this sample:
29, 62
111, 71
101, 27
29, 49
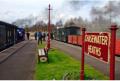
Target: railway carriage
64, 34
72, 31
8, 35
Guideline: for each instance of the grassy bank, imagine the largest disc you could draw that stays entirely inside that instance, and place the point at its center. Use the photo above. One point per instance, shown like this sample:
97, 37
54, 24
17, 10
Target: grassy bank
63, 66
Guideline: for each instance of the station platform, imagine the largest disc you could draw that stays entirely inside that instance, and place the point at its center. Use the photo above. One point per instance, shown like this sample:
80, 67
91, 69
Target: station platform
11, 50
18, 61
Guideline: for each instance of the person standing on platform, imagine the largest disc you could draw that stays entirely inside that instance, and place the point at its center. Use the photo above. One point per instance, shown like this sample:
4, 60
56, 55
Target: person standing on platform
28, 35
51, 35
39, 35
46, 36
43, 36
35, 35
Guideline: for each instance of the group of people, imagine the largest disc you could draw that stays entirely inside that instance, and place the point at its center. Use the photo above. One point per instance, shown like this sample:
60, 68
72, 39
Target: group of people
40, 36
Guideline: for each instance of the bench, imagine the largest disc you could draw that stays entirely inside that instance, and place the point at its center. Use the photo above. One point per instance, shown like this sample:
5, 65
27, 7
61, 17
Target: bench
42, 55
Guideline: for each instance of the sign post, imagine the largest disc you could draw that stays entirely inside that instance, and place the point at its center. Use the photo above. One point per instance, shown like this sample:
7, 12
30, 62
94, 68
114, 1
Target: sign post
112, 51
97, 45
82, 56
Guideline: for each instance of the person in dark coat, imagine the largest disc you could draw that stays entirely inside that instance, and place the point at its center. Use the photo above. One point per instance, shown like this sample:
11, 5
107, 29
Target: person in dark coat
51, 35
35, 35
43, 36
28, 35
39, 35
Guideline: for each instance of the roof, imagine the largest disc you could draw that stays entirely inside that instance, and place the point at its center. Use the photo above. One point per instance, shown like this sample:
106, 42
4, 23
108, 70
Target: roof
5, 23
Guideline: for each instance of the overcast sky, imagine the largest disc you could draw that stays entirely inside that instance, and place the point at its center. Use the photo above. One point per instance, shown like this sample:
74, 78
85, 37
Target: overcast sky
11, 10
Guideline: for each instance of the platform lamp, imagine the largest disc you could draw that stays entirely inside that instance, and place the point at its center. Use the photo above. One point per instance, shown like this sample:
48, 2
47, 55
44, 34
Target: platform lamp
49, 28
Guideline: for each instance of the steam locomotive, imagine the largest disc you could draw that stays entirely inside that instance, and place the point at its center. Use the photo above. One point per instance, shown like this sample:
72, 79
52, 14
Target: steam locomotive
10, 34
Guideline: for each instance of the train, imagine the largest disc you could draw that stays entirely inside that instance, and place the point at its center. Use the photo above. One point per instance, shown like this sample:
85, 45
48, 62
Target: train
73, 35
70, 34
10, 35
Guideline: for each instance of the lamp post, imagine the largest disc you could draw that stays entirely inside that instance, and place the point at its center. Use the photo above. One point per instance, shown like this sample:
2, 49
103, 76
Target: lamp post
48, 44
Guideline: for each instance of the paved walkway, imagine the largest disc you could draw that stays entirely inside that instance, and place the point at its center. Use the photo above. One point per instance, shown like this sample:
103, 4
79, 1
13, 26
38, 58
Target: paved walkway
5, 54
21, 62
75, 51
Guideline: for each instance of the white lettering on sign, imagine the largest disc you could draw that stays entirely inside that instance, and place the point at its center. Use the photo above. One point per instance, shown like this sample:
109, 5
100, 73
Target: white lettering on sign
96, 39
94, 50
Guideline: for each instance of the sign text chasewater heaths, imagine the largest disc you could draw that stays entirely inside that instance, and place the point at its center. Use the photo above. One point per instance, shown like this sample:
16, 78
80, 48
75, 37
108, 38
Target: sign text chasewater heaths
97, 45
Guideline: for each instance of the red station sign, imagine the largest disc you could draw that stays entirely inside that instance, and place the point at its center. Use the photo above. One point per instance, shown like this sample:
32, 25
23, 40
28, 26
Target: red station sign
97, 45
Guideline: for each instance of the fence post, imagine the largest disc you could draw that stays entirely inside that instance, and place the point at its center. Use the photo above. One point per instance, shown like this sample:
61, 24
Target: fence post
112, 51
82, 55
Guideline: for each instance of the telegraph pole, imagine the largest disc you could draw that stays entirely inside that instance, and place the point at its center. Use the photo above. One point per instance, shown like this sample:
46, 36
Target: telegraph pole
49, 27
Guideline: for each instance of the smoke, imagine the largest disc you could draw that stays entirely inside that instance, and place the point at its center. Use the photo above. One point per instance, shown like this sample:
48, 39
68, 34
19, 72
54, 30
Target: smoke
111, 9
76, 5
69, 8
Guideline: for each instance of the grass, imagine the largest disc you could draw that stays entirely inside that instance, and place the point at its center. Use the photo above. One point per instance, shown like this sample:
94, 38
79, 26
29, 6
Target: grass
42, 45
60, 65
